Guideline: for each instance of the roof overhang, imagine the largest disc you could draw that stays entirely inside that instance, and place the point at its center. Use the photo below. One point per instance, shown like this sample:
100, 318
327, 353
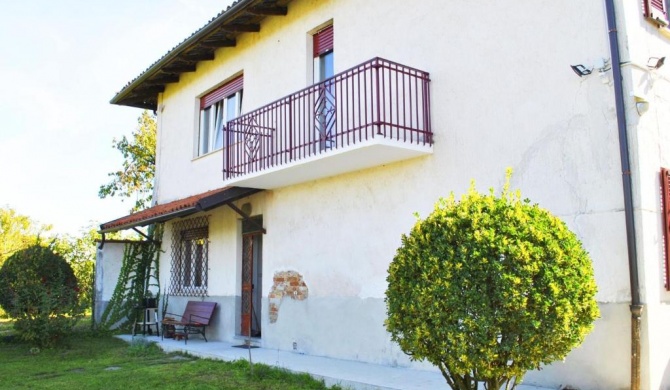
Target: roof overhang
243, 16
179, 208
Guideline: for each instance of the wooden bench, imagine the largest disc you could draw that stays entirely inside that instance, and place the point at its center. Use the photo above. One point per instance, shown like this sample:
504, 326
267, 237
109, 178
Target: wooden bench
195, 319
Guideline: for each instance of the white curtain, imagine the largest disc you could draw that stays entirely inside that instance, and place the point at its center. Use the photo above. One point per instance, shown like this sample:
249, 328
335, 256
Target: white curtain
218, 126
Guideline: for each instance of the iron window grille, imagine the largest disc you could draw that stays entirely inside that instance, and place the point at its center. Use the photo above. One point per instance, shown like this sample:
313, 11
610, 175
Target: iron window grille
190, 254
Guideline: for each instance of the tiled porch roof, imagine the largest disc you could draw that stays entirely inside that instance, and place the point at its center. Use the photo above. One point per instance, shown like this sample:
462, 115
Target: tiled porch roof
179, 208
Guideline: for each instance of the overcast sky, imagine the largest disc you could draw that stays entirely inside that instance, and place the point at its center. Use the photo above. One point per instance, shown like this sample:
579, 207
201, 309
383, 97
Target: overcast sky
61, 62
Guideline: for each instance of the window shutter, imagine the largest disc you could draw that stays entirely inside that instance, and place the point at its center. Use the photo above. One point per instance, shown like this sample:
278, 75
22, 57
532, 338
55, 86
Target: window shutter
323, 41
656, 10
222, 92
665, 199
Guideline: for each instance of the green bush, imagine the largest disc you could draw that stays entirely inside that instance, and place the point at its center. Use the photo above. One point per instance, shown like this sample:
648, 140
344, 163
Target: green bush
39, 290
487, 288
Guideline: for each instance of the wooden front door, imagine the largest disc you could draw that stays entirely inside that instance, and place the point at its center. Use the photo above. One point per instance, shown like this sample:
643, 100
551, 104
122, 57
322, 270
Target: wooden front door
252, 277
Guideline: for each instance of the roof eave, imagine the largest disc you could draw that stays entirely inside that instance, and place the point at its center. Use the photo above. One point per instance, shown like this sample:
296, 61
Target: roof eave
193, 39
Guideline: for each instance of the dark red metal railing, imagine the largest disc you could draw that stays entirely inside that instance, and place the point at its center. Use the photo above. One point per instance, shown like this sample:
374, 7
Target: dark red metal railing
378, 98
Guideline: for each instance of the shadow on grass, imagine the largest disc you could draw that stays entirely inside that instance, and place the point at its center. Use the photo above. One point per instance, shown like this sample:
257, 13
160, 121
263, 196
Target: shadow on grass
96, 360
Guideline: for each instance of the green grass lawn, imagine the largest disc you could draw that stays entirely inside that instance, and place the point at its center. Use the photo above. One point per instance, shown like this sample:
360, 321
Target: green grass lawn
100, 361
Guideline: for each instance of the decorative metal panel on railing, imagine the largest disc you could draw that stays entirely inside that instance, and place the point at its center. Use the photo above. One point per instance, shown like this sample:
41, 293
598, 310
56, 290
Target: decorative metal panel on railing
378, 98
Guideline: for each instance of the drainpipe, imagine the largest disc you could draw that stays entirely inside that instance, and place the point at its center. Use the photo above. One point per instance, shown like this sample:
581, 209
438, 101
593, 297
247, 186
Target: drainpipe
636, 306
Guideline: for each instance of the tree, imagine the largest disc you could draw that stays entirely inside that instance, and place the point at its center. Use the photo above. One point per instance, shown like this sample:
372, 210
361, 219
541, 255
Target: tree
39, 290
136, 177
487, 288
17, 232
80, 253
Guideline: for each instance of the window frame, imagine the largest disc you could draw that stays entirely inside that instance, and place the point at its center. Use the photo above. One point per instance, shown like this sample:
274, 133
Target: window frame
665, 210
323, 50
214, 114
190, 257
656, 11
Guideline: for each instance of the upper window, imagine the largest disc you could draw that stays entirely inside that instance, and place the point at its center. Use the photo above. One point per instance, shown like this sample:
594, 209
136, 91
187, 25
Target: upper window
324, 110
324, 54
190, 252
216, 109
657, 11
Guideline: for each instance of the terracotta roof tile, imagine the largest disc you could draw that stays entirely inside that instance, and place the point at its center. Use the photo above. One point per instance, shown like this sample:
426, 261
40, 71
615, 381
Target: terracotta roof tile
162, 210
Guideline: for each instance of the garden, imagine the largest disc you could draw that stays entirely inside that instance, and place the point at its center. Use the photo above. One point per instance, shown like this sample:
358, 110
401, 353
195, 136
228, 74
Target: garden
47, 341
90, 359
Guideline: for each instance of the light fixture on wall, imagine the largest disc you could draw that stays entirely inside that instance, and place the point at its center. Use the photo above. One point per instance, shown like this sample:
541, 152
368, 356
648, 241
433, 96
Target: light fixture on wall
601, 64
580, 70
641, 105
655, 62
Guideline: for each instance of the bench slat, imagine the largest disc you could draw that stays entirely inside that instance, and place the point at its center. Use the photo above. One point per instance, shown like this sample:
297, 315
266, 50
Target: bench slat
200, 312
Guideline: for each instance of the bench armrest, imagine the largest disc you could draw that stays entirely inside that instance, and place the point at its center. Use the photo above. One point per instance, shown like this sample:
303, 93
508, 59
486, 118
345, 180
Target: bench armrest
174, 317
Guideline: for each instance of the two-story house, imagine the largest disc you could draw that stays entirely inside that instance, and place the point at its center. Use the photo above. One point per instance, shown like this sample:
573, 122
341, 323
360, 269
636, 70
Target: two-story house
296, 139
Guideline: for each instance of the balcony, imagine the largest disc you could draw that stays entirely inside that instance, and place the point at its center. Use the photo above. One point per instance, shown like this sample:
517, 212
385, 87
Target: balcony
373, 114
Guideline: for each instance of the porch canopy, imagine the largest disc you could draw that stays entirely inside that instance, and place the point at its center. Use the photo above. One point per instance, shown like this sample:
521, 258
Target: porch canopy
179, 208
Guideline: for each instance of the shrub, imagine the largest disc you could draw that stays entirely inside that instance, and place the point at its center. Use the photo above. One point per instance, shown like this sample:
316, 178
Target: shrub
487, 288
39, 290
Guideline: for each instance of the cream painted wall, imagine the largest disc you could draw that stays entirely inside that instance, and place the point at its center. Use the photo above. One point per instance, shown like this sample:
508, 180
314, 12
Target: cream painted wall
503, 95
650, 147
107, 267
108, 263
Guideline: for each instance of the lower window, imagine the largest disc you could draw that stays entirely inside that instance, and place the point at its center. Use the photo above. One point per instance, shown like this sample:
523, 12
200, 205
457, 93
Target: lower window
190, 243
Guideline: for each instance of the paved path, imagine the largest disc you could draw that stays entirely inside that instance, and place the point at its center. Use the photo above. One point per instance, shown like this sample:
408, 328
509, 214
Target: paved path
347, 373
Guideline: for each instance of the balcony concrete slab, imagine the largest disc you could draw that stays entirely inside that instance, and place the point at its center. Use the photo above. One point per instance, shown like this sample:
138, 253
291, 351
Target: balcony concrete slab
367, 154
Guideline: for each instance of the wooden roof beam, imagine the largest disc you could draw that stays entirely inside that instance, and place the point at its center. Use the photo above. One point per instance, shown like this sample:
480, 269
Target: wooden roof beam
164, 79
238, 28
205, 56
149, 90
268, 10
177, 67
218, 42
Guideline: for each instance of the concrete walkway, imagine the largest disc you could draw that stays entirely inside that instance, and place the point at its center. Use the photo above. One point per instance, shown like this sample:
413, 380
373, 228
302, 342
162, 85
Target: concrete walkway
346, 373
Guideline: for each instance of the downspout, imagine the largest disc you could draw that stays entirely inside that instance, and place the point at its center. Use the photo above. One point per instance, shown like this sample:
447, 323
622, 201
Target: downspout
636, 306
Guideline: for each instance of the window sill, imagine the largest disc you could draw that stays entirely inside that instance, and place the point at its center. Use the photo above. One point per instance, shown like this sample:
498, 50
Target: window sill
665, 31
214, 151
207, 154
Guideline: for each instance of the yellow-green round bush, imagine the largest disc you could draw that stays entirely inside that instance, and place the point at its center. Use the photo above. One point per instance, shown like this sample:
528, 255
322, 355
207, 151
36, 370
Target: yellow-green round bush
39, 290
487, 288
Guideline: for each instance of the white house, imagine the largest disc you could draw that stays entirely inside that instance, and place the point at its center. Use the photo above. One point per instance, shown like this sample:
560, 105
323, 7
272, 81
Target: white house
297, 138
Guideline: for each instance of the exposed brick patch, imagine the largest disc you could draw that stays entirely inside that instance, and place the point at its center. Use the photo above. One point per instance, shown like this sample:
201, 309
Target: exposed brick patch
286, 284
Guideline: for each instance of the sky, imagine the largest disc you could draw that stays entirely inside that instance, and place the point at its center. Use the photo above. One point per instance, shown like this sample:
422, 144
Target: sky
61, 62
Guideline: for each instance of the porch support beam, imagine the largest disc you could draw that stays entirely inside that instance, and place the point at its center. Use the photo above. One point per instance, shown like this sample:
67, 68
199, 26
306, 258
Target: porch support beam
246, 217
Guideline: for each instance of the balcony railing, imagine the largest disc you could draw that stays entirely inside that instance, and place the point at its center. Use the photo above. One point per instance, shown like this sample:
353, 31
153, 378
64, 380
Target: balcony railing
377, 99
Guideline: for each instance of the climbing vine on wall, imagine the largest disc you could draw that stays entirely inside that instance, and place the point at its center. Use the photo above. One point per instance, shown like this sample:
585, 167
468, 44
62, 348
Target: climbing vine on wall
137, 278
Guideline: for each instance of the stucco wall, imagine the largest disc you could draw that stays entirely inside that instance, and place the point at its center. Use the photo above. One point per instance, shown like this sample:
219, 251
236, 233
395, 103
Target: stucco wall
503, 95
650, 145
108, 264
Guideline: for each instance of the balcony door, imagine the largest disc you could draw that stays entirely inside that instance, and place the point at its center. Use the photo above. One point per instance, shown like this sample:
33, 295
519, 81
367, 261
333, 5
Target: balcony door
324, 104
